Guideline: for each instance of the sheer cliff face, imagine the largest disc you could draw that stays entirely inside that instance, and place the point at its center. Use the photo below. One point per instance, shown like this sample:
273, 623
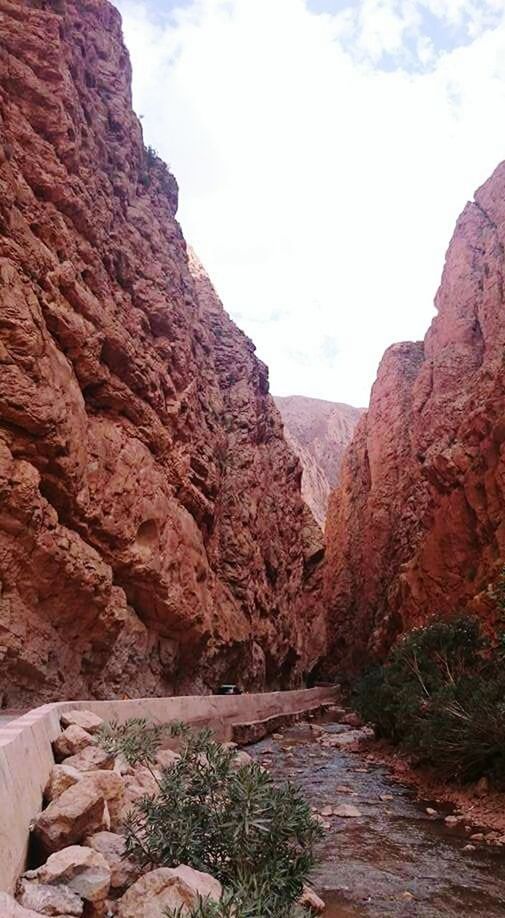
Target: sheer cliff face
152, 533
319, 433
417, 526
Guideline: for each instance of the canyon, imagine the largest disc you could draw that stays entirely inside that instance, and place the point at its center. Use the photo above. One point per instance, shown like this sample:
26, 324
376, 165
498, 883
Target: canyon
416, 528
318, 432
153, 537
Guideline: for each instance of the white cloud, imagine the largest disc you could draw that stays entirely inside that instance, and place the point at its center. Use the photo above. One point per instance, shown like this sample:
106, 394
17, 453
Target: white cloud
320, 190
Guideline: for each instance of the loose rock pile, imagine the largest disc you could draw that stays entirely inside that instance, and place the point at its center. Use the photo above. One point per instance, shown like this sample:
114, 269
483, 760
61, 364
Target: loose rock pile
86, 873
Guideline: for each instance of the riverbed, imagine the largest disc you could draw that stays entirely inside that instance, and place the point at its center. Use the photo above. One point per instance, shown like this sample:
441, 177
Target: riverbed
394, 859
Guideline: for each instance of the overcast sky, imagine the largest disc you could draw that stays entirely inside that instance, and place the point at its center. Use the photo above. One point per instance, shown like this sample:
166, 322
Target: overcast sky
323, 151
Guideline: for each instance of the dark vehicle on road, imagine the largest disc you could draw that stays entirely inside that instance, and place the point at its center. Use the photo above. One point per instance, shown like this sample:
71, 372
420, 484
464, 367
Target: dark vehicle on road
228, 689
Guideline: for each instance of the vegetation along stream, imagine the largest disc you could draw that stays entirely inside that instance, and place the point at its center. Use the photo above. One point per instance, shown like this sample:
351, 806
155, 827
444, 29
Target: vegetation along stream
393, 859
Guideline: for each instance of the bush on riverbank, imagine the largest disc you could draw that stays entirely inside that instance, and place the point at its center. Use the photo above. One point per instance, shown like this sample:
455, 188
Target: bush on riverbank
441, 695
257, 838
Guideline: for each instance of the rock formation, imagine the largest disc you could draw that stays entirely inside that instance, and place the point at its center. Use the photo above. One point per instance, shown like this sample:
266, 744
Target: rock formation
319, 433
416, 528
152, 533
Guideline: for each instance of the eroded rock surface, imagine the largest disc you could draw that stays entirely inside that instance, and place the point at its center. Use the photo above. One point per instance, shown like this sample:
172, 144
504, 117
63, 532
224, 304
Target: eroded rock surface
111, 846
61, 778
77, 868
416, 528
49, 900
168, 888
9, 908
71, 742
152, 534
79, 811
319, 433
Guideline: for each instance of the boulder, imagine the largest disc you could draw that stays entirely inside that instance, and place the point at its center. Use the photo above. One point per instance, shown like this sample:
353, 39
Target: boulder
349, 739
49, 900
340, 740
9, 908
93, 758
85, 719
81, 810
139, 783
242, 758
111, 846
311, 901
453, 820
61, 778
111, 786
167, 888
347, 811
74, 739
79, 868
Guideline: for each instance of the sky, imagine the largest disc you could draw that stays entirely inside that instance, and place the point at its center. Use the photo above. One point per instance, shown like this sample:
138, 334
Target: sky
323, 150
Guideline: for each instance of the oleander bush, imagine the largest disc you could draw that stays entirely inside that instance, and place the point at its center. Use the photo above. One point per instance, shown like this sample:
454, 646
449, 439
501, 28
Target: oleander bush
255, 836
441, 695
238, 903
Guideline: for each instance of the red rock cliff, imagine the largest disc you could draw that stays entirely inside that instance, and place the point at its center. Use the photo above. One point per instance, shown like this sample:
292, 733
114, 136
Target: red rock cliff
319, 432
152, 534
417, 527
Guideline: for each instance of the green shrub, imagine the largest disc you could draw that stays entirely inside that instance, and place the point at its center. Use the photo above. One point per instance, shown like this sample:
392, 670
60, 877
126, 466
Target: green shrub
254, 836
136, 740
441, 694
238, 903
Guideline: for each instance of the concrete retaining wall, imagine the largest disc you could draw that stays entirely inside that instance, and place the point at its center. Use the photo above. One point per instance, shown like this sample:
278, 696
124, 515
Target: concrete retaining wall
26, 756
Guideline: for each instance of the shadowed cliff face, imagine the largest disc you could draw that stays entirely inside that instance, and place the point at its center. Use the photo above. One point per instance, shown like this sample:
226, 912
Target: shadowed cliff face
319, 433
152, 534
417, 526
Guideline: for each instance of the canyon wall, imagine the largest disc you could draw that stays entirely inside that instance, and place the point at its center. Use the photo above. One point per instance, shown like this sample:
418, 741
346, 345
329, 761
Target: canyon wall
152, 533
417, 527
319, 432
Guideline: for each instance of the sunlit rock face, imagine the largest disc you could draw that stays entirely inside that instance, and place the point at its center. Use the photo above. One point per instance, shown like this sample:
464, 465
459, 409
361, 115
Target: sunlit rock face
319, 432
417, 526
152, 533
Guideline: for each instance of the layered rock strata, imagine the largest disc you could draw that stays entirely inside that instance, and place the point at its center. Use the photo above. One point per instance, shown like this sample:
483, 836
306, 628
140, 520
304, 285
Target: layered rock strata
152, 533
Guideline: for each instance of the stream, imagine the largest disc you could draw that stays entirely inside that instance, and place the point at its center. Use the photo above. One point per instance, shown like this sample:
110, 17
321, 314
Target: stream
394, 860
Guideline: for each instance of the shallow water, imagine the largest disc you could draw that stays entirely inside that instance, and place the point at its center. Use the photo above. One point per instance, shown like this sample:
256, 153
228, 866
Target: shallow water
394, 860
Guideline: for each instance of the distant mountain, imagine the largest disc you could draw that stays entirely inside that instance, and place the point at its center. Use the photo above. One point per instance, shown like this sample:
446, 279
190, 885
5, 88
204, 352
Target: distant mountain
318, 432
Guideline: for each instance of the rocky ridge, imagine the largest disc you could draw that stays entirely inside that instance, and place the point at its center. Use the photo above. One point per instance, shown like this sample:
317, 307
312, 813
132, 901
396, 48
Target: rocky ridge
152, 534
416, 528
318, 432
